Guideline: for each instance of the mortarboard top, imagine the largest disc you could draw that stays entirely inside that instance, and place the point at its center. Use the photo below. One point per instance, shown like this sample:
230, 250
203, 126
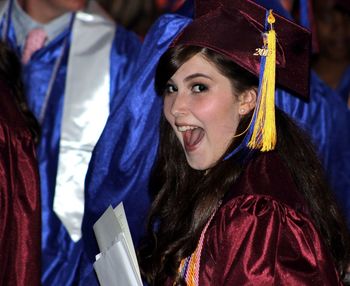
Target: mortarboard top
235, 29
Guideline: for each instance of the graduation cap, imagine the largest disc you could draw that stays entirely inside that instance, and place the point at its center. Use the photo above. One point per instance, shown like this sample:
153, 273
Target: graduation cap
269, 46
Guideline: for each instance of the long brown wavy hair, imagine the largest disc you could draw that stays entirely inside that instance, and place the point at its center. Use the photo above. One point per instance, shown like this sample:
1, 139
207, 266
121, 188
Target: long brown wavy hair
11, 74
185, 198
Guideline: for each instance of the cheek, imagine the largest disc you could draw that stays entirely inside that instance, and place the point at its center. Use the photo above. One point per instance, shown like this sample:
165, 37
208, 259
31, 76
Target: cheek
167, 104
74, 5
229, 124
222, 124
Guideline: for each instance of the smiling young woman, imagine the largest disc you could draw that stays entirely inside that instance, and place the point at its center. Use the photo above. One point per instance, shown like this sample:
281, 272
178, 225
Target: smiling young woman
201, 106
227, 212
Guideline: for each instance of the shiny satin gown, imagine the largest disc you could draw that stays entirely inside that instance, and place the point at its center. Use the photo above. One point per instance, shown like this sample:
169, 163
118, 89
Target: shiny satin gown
20, 213
262, 234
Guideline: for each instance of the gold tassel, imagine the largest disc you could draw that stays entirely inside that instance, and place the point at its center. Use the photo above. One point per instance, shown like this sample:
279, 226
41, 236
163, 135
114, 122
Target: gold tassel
264, 134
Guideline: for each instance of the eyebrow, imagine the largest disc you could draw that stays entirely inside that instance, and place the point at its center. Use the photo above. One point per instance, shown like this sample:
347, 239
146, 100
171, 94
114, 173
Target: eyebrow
195, 75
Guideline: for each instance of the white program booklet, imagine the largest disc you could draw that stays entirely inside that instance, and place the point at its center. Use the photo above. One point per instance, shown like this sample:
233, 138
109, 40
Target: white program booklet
116, 264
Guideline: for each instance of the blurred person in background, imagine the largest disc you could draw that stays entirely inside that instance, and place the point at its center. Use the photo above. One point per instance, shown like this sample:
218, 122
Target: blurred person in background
139, 15
136, 15
326, 116
331, 79
332, 62
74, 59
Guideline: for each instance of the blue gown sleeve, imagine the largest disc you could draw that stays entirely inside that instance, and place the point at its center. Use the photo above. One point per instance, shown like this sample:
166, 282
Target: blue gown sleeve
123, 157
124, 53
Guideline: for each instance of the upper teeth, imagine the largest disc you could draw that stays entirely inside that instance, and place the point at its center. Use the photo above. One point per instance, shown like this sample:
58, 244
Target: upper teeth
185, 128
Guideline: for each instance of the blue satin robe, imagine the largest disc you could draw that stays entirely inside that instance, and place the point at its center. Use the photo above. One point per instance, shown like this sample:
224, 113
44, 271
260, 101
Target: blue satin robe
343, 87
326, 119
60, 255
123, 157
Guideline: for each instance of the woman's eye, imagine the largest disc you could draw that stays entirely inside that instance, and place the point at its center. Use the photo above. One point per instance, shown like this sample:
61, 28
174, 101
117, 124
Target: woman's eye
199, 88
170, 88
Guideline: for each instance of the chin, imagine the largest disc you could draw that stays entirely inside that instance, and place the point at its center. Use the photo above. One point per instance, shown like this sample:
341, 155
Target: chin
77, 5
200, 166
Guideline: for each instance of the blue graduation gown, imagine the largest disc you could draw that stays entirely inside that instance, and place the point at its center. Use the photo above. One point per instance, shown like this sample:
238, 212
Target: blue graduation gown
326, 119
60, 255
343, 87
123, 157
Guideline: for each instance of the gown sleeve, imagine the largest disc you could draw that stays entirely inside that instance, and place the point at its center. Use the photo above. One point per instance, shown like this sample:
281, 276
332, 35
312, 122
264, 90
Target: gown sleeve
123, 157
20, 215
255, 240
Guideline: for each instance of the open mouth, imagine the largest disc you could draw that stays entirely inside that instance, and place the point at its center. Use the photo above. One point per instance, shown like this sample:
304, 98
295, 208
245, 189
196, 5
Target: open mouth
192, 136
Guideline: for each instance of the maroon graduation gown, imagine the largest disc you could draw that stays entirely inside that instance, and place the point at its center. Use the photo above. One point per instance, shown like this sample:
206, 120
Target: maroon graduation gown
19, 198
262, 234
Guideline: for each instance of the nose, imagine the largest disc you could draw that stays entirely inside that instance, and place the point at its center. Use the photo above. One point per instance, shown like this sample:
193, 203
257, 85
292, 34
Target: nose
179, 104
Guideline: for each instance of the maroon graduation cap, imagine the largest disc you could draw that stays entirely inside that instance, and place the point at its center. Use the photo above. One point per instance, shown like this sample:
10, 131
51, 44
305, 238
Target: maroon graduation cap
263, 43
235, 29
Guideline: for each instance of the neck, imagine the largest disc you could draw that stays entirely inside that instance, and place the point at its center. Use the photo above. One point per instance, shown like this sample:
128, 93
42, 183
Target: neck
41, 11
330, 71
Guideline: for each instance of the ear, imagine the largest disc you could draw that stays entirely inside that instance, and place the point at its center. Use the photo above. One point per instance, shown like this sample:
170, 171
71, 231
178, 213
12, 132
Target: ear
247, 101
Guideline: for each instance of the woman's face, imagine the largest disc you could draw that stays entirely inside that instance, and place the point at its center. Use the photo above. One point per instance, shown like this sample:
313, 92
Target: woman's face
200, 105
67, 5
333, 27
44, 11
287, 4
